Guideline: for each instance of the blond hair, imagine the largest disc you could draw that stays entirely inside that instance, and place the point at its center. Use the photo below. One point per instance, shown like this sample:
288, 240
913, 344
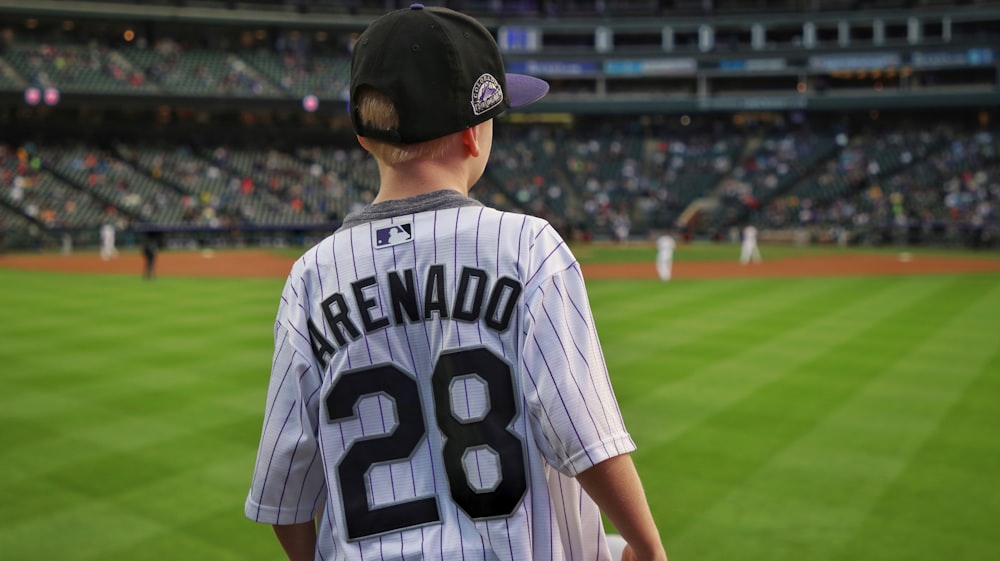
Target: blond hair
376, 110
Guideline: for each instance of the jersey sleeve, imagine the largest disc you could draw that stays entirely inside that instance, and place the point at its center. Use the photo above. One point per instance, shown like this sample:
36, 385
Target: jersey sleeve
288, 483
572, 404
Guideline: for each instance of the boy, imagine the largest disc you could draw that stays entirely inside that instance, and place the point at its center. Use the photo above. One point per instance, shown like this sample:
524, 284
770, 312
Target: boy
438, 390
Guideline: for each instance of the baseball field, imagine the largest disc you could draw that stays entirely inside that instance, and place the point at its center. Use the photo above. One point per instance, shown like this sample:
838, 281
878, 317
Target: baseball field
827, 404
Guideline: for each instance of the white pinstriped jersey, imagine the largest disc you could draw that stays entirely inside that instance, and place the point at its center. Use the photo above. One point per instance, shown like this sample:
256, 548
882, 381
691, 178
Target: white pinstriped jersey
437, 382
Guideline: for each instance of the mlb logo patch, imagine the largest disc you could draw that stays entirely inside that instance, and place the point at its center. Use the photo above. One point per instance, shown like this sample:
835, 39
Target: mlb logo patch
393, 235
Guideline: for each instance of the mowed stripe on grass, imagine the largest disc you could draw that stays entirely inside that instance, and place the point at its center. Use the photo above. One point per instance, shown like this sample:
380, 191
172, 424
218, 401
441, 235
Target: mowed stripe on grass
776, 418
772, 423
130, 416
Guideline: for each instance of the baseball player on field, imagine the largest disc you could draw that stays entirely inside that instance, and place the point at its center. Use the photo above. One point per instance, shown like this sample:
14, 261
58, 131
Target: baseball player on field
438, 390
665, 245
748, 247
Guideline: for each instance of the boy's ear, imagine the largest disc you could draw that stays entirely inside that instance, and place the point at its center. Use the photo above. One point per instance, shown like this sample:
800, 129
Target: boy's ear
363, 142
470, 139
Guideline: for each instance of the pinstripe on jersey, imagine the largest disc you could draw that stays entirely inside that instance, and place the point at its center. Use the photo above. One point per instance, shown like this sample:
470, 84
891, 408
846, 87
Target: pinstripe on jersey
449, 433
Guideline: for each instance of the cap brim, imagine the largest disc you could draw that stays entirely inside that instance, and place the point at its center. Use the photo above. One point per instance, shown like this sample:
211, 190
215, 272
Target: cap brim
523, 89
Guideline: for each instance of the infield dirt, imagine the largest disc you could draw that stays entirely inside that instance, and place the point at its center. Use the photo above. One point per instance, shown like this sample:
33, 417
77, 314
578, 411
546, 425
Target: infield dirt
263, 264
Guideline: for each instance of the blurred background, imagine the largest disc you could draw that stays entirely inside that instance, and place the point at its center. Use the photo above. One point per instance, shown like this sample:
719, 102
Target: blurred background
223, 124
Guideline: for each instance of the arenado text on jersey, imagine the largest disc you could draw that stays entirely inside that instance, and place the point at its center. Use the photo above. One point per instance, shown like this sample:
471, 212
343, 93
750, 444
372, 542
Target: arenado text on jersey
345, 316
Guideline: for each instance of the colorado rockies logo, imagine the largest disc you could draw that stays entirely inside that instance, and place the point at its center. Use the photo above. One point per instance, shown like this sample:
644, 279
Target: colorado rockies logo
486, 94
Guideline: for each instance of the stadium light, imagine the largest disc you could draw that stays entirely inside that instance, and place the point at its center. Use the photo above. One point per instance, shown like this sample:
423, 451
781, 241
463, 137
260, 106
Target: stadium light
32, 96
51, 96
310, 103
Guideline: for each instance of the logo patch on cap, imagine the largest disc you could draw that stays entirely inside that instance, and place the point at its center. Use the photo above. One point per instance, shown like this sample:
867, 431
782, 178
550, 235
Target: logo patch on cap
486, 94
393, 235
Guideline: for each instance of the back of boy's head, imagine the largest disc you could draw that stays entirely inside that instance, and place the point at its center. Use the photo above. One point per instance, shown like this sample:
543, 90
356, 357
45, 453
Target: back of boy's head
376, 111
440, 71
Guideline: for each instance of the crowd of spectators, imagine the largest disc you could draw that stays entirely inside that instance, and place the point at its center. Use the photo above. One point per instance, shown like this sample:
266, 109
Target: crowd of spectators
933, 182
609, 177
290, 66
42, 199
613, 178
91, 67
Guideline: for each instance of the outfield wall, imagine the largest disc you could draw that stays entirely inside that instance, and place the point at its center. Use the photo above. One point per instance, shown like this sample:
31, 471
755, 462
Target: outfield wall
919, 235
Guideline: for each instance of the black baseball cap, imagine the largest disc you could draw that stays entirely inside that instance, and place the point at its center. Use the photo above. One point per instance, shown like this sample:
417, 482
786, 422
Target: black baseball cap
442, 70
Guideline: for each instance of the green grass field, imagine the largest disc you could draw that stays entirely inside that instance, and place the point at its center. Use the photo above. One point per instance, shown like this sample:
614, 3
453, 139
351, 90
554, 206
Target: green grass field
789, 419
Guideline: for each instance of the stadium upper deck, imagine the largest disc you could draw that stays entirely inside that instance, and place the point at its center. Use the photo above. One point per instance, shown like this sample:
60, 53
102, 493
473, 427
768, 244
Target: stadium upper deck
571, 8
599, 56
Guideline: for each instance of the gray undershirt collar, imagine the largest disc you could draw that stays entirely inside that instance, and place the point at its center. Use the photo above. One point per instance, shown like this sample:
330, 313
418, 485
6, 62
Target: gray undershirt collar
437, 200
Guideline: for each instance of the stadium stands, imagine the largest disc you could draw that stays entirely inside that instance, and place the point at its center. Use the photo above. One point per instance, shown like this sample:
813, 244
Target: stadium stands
200, 72
937, 188
45, 200
101, 174
88, 68
301, 76
583, 178
201, 128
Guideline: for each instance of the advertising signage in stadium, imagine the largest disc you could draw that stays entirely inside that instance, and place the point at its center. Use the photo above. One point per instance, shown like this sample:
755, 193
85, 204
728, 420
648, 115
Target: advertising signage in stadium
753, 64
752, 103
953, 59
519, 39
651, 67
856, 61
554, 67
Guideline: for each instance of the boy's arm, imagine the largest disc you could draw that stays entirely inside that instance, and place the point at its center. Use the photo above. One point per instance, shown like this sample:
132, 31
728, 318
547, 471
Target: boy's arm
615, 486
298, 540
